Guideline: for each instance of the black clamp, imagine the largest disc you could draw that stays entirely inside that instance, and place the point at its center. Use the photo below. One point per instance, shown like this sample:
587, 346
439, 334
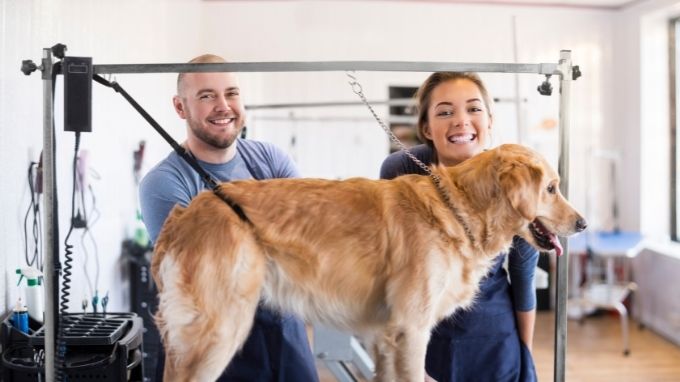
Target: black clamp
59, 51
545, 88
28, 66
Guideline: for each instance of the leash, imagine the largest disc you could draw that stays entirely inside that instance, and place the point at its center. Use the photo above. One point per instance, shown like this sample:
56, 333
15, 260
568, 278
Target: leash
208, 179
357, 89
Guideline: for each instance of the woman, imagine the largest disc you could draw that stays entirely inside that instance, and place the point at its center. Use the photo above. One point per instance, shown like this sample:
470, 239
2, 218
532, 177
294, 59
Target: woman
492, 340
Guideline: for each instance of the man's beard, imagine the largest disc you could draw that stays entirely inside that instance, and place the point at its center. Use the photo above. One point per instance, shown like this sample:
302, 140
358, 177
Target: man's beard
213, 139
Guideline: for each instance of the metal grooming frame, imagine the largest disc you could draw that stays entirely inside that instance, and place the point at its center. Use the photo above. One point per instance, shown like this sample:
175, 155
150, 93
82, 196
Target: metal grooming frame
563, 69
390, 102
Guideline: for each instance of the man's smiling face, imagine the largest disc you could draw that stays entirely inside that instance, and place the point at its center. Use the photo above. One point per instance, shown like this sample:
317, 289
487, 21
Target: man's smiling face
211, 105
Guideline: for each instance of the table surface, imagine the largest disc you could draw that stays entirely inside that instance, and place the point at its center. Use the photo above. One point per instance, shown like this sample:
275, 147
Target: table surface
606, 243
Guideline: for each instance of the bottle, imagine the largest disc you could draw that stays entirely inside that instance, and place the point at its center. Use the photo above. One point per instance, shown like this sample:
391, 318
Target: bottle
140, 235
33, 291
20, 317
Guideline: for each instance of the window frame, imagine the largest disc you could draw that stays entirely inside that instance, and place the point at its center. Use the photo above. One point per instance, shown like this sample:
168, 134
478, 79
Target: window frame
674, 60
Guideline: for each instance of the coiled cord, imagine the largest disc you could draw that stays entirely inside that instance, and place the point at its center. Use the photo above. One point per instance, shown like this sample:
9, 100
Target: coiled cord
66, 283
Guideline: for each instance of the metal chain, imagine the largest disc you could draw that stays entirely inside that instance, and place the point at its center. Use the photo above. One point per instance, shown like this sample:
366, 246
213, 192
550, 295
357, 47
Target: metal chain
357, 89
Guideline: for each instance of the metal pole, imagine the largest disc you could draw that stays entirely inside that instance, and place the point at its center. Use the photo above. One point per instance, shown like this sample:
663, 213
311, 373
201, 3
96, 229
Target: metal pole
50, 215
321, 66
561, 290
391, 102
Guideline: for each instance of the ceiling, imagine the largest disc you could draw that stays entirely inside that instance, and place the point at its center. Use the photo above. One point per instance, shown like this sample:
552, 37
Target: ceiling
594, 4
604, 4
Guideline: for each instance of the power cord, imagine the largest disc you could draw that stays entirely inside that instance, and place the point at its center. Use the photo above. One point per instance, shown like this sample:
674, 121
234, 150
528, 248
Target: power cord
66, 283
91, 216
36, 224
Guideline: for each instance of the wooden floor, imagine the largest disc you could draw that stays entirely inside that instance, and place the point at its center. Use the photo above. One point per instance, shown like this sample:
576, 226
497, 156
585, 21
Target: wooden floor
595, 352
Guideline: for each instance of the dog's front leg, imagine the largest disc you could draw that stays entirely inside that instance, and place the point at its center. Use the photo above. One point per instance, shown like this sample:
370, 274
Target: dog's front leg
400, 355
384, 352
410, 355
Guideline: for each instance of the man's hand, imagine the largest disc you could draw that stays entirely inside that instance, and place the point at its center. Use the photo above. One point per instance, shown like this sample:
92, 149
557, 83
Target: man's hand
428, 378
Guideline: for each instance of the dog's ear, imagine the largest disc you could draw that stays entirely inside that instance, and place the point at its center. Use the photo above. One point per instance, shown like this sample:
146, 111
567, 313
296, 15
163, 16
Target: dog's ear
521, 184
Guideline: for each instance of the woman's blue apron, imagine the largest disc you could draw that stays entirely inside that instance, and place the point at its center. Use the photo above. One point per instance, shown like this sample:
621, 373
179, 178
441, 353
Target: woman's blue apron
481, 344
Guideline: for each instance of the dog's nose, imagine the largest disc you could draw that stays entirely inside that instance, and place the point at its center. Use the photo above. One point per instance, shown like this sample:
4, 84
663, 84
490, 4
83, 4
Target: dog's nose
581, 224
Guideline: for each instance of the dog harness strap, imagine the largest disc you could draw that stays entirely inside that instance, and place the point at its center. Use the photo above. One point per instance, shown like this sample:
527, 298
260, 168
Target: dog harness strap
234, 206
209, 181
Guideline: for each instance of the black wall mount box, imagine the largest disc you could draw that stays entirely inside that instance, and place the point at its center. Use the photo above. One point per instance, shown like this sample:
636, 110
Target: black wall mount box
77, 73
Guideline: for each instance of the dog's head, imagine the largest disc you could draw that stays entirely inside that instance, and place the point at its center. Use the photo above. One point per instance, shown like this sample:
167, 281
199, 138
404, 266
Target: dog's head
523, 183
532, 189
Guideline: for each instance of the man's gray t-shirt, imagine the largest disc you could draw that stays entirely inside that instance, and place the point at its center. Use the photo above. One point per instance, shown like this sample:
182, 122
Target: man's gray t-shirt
173, 181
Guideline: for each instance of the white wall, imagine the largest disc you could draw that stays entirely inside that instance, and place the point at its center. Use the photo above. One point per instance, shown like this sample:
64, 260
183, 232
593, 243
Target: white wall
175, 31
89, 29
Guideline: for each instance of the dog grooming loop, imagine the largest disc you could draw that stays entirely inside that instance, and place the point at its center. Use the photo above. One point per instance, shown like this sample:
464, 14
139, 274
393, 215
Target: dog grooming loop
563, 69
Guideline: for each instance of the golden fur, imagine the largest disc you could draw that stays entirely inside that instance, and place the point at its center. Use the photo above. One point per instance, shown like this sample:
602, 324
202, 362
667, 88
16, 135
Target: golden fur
385, 258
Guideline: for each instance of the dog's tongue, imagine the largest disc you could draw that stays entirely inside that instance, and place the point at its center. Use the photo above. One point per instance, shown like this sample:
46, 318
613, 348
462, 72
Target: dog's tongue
556, 243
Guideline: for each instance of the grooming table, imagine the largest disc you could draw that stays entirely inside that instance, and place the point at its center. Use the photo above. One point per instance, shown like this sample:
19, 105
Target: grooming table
608, 293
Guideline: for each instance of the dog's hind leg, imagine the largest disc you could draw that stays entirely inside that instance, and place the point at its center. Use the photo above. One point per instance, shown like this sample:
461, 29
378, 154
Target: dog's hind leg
206, 321
226, 339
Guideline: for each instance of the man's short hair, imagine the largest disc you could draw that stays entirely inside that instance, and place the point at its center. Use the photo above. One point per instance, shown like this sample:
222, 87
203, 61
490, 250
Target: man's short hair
202, 59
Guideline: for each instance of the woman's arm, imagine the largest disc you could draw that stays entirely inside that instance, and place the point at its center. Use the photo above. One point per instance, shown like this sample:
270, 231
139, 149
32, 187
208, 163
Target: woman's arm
525, 326
522, 261
398, 163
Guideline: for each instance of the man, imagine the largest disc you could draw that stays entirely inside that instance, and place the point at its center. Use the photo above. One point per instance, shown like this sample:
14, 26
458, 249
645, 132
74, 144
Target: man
277, 348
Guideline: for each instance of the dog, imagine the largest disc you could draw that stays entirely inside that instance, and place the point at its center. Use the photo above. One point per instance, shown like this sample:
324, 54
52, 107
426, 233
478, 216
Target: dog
383, 258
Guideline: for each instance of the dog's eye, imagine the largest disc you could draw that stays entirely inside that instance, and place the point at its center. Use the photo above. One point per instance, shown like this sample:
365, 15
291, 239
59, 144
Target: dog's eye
551, 189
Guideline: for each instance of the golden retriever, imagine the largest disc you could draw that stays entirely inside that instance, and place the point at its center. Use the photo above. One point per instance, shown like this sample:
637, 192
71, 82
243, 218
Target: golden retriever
385, 258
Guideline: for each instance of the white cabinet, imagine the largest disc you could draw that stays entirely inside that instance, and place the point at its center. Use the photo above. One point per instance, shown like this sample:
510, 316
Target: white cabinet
657, 300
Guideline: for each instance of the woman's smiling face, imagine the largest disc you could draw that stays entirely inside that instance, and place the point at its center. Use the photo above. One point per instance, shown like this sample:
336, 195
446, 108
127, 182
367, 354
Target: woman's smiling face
458, 121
